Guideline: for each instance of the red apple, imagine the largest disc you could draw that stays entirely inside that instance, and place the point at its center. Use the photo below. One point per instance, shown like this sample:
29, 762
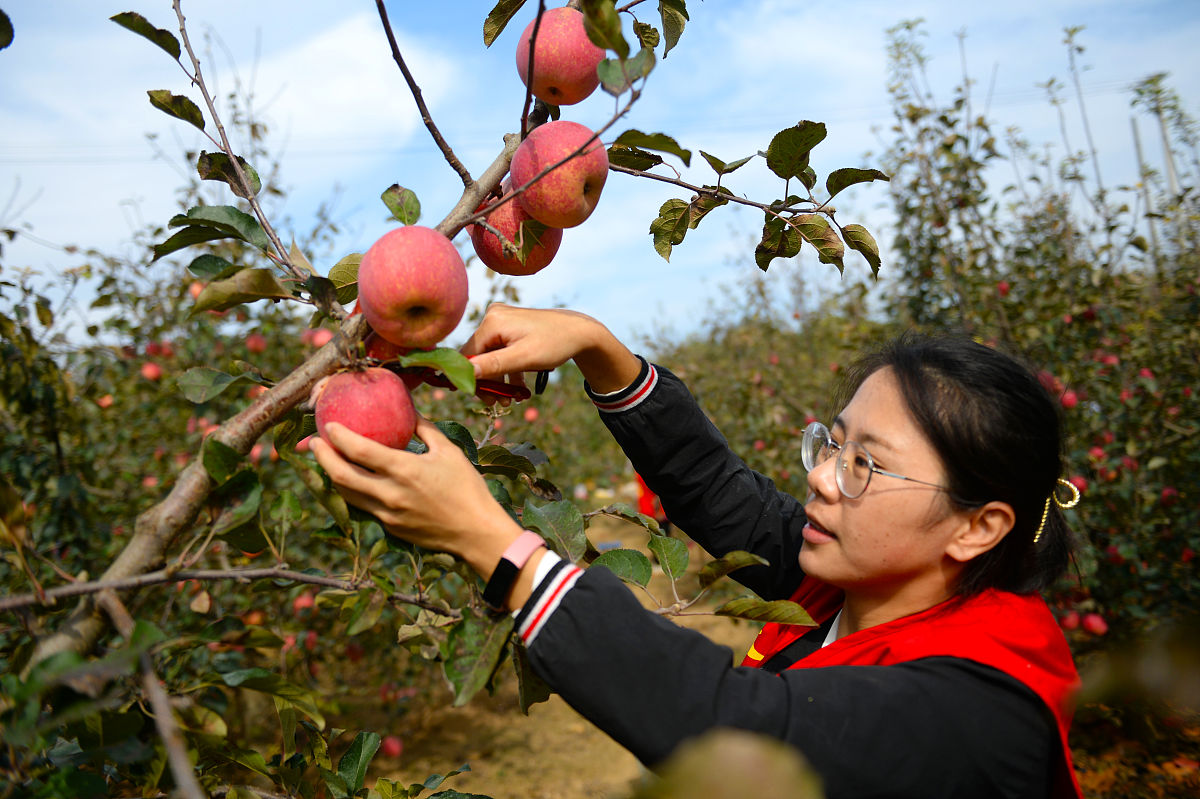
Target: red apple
301, 603
564, 58
566, 196
310, 640
1170, 495
355, 652
1080, 482
391, 746
256, 343
1095, 624
106, 401
412, 286
1002, 288
531, 414
1070, 620
195, 288
151, 370
1069, 399
373, 402
510, 220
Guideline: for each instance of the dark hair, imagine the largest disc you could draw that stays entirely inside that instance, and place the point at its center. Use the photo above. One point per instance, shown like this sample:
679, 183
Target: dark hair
998, 434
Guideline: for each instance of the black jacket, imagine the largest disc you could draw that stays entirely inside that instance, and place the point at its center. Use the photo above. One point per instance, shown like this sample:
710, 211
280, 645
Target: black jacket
936, 727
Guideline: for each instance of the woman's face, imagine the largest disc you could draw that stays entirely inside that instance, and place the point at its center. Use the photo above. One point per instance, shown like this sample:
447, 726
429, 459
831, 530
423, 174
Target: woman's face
896, 532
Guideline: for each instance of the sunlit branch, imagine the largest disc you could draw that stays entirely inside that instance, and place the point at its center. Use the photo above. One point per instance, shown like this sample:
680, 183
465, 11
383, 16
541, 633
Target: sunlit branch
451, 158
198, 79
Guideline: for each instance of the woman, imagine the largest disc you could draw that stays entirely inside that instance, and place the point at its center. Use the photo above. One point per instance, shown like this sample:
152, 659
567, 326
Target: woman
932, 520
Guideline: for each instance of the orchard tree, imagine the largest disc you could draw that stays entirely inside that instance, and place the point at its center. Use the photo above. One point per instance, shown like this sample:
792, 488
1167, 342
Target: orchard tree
129, 693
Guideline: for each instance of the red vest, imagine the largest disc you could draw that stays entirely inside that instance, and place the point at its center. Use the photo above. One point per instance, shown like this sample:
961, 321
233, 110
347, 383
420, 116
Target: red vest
1010, 632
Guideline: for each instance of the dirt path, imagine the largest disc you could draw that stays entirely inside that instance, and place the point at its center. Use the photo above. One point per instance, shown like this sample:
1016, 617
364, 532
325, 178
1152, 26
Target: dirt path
553, 753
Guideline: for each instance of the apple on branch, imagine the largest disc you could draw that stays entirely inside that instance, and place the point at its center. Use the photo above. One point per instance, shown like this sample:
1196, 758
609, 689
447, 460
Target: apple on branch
412, 286
564, 58
514, 224
373, 402
567, 195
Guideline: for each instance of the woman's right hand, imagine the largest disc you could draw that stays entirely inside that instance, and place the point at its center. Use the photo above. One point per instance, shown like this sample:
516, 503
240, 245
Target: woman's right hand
511, 341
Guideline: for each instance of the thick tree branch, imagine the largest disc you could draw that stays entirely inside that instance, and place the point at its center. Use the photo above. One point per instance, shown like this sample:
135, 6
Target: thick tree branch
451, 158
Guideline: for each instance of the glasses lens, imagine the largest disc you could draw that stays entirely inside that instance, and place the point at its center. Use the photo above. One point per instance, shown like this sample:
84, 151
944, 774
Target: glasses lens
854, 469
814, 448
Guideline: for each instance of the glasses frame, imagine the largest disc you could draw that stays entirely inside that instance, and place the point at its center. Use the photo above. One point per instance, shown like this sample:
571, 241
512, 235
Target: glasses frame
817, 429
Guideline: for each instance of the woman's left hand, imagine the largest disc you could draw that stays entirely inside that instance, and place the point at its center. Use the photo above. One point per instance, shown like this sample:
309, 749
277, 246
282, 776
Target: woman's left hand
436, 500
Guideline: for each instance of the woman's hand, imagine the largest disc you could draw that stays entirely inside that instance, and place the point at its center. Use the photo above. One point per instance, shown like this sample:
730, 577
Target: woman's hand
511, 341
436, 500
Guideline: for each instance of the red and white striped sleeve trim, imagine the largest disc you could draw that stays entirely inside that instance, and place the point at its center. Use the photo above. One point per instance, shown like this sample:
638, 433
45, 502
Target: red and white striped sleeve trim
631, 396
547, 597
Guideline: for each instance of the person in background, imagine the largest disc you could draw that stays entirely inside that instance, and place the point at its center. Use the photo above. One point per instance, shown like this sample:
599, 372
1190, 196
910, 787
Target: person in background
933, 519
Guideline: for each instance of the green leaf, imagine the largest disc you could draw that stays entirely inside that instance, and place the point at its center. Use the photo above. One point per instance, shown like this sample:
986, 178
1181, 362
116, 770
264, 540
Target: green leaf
219, 166
670, 227
787, 154
344, 275
239, 499
309, 474
248, 285
186, 238
450, 362
658, 142
211, 267
647, 34
495, 459
858, 239
177, 105
353, 765
618, 75
234, 222
300, 260
141, 26
628, 564
473, 649
674, 17
632, 157
842, 178
201, 383
498, 18
561, 524
672, 555
703, 203
460, 436
221, 461
627, 512
531, 688
603, 26
729, 562
402, 203
266, 682
723, 168
816, 231
780, 611
780, 240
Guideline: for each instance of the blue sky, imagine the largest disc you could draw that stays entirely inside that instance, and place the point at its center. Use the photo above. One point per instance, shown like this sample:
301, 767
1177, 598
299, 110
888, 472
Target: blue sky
76, 167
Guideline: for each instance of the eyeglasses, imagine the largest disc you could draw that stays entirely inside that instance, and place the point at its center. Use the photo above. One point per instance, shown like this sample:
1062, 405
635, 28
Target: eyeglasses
854, 464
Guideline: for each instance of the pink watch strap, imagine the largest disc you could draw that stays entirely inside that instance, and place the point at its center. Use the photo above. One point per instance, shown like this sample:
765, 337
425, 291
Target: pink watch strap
520, 551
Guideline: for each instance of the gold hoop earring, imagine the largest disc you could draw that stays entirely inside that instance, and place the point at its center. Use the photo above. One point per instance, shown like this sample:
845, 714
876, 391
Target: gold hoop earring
1070, 503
